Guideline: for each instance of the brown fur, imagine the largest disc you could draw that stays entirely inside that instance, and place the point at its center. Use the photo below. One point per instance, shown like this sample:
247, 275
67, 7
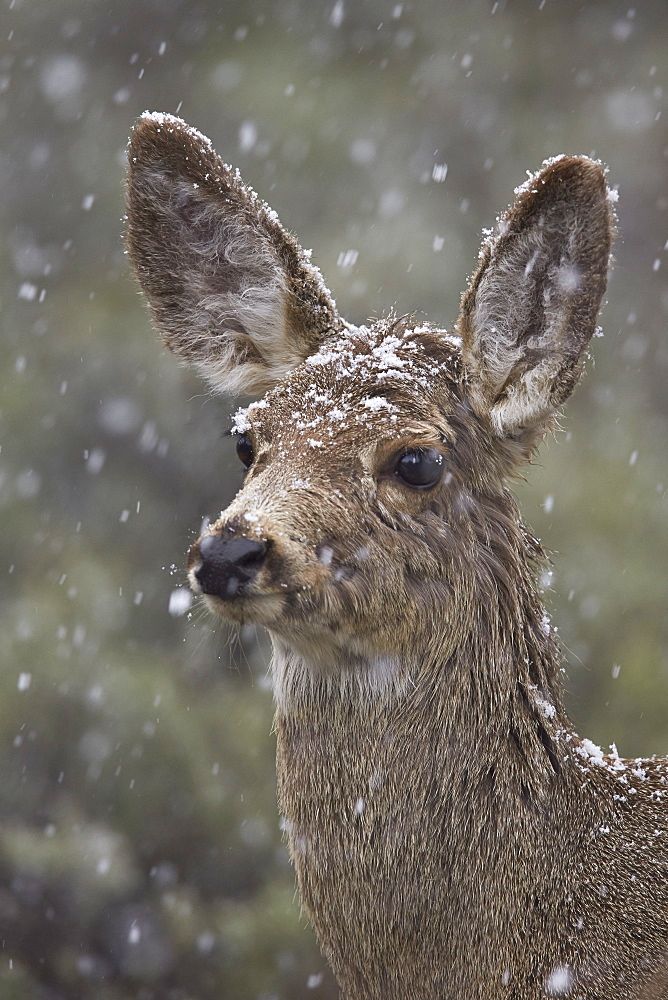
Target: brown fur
453, 838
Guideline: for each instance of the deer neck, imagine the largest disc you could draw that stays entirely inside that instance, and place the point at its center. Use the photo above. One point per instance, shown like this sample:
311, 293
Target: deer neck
483, 706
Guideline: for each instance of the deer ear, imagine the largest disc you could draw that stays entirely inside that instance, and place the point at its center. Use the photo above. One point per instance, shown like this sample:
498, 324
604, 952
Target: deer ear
230, 290
531, 308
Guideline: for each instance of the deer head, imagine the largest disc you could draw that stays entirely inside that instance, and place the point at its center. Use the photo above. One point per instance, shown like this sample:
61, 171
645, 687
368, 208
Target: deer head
374, 529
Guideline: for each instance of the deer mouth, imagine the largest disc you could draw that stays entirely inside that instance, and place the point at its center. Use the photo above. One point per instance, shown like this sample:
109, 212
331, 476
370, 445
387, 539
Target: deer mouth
248, 609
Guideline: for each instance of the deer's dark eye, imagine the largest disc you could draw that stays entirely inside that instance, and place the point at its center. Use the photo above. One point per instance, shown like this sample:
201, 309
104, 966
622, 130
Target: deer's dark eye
420, 467
245, 450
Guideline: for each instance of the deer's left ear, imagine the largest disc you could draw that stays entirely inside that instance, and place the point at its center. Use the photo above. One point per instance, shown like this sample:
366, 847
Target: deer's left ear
531, 308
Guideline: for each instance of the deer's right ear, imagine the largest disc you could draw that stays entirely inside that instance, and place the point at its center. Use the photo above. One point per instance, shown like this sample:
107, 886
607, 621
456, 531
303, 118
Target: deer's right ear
531, 308
230, 290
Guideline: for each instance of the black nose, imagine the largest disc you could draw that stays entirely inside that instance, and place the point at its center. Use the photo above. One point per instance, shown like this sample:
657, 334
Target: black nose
228, 564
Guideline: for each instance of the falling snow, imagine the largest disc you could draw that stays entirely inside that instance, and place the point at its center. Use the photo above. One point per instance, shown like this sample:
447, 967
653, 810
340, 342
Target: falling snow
123, 696
180, 601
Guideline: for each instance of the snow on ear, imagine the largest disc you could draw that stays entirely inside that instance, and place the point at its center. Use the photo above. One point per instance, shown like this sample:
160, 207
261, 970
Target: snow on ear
230, 291
531, 308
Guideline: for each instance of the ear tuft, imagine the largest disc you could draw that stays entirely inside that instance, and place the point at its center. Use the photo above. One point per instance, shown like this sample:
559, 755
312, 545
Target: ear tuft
230, 290
531, 307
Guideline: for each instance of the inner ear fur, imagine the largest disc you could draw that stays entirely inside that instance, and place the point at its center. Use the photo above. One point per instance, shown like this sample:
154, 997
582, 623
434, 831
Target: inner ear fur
531, 307
230, 290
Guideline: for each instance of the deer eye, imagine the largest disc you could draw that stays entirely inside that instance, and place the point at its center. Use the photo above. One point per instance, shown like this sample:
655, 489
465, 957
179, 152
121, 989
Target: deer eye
420, 468
245, 450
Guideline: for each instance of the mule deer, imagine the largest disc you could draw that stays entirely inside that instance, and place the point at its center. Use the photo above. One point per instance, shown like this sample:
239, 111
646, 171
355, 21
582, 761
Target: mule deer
453, 838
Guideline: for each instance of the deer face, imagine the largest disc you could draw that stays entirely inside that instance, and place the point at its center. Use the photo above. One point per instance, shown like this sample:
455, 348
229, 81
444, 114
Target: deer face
373, 515
350, 486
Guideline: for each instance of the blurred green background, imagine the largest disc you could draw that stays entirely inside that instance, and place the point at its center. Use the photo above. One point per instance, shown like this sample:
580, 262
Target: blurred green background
140, 849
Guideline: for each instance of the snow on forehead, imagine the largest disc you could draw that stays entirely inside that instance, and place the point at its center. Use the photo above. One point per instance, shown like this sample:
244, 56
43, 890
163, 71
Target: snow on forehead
363, 351
341, 384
